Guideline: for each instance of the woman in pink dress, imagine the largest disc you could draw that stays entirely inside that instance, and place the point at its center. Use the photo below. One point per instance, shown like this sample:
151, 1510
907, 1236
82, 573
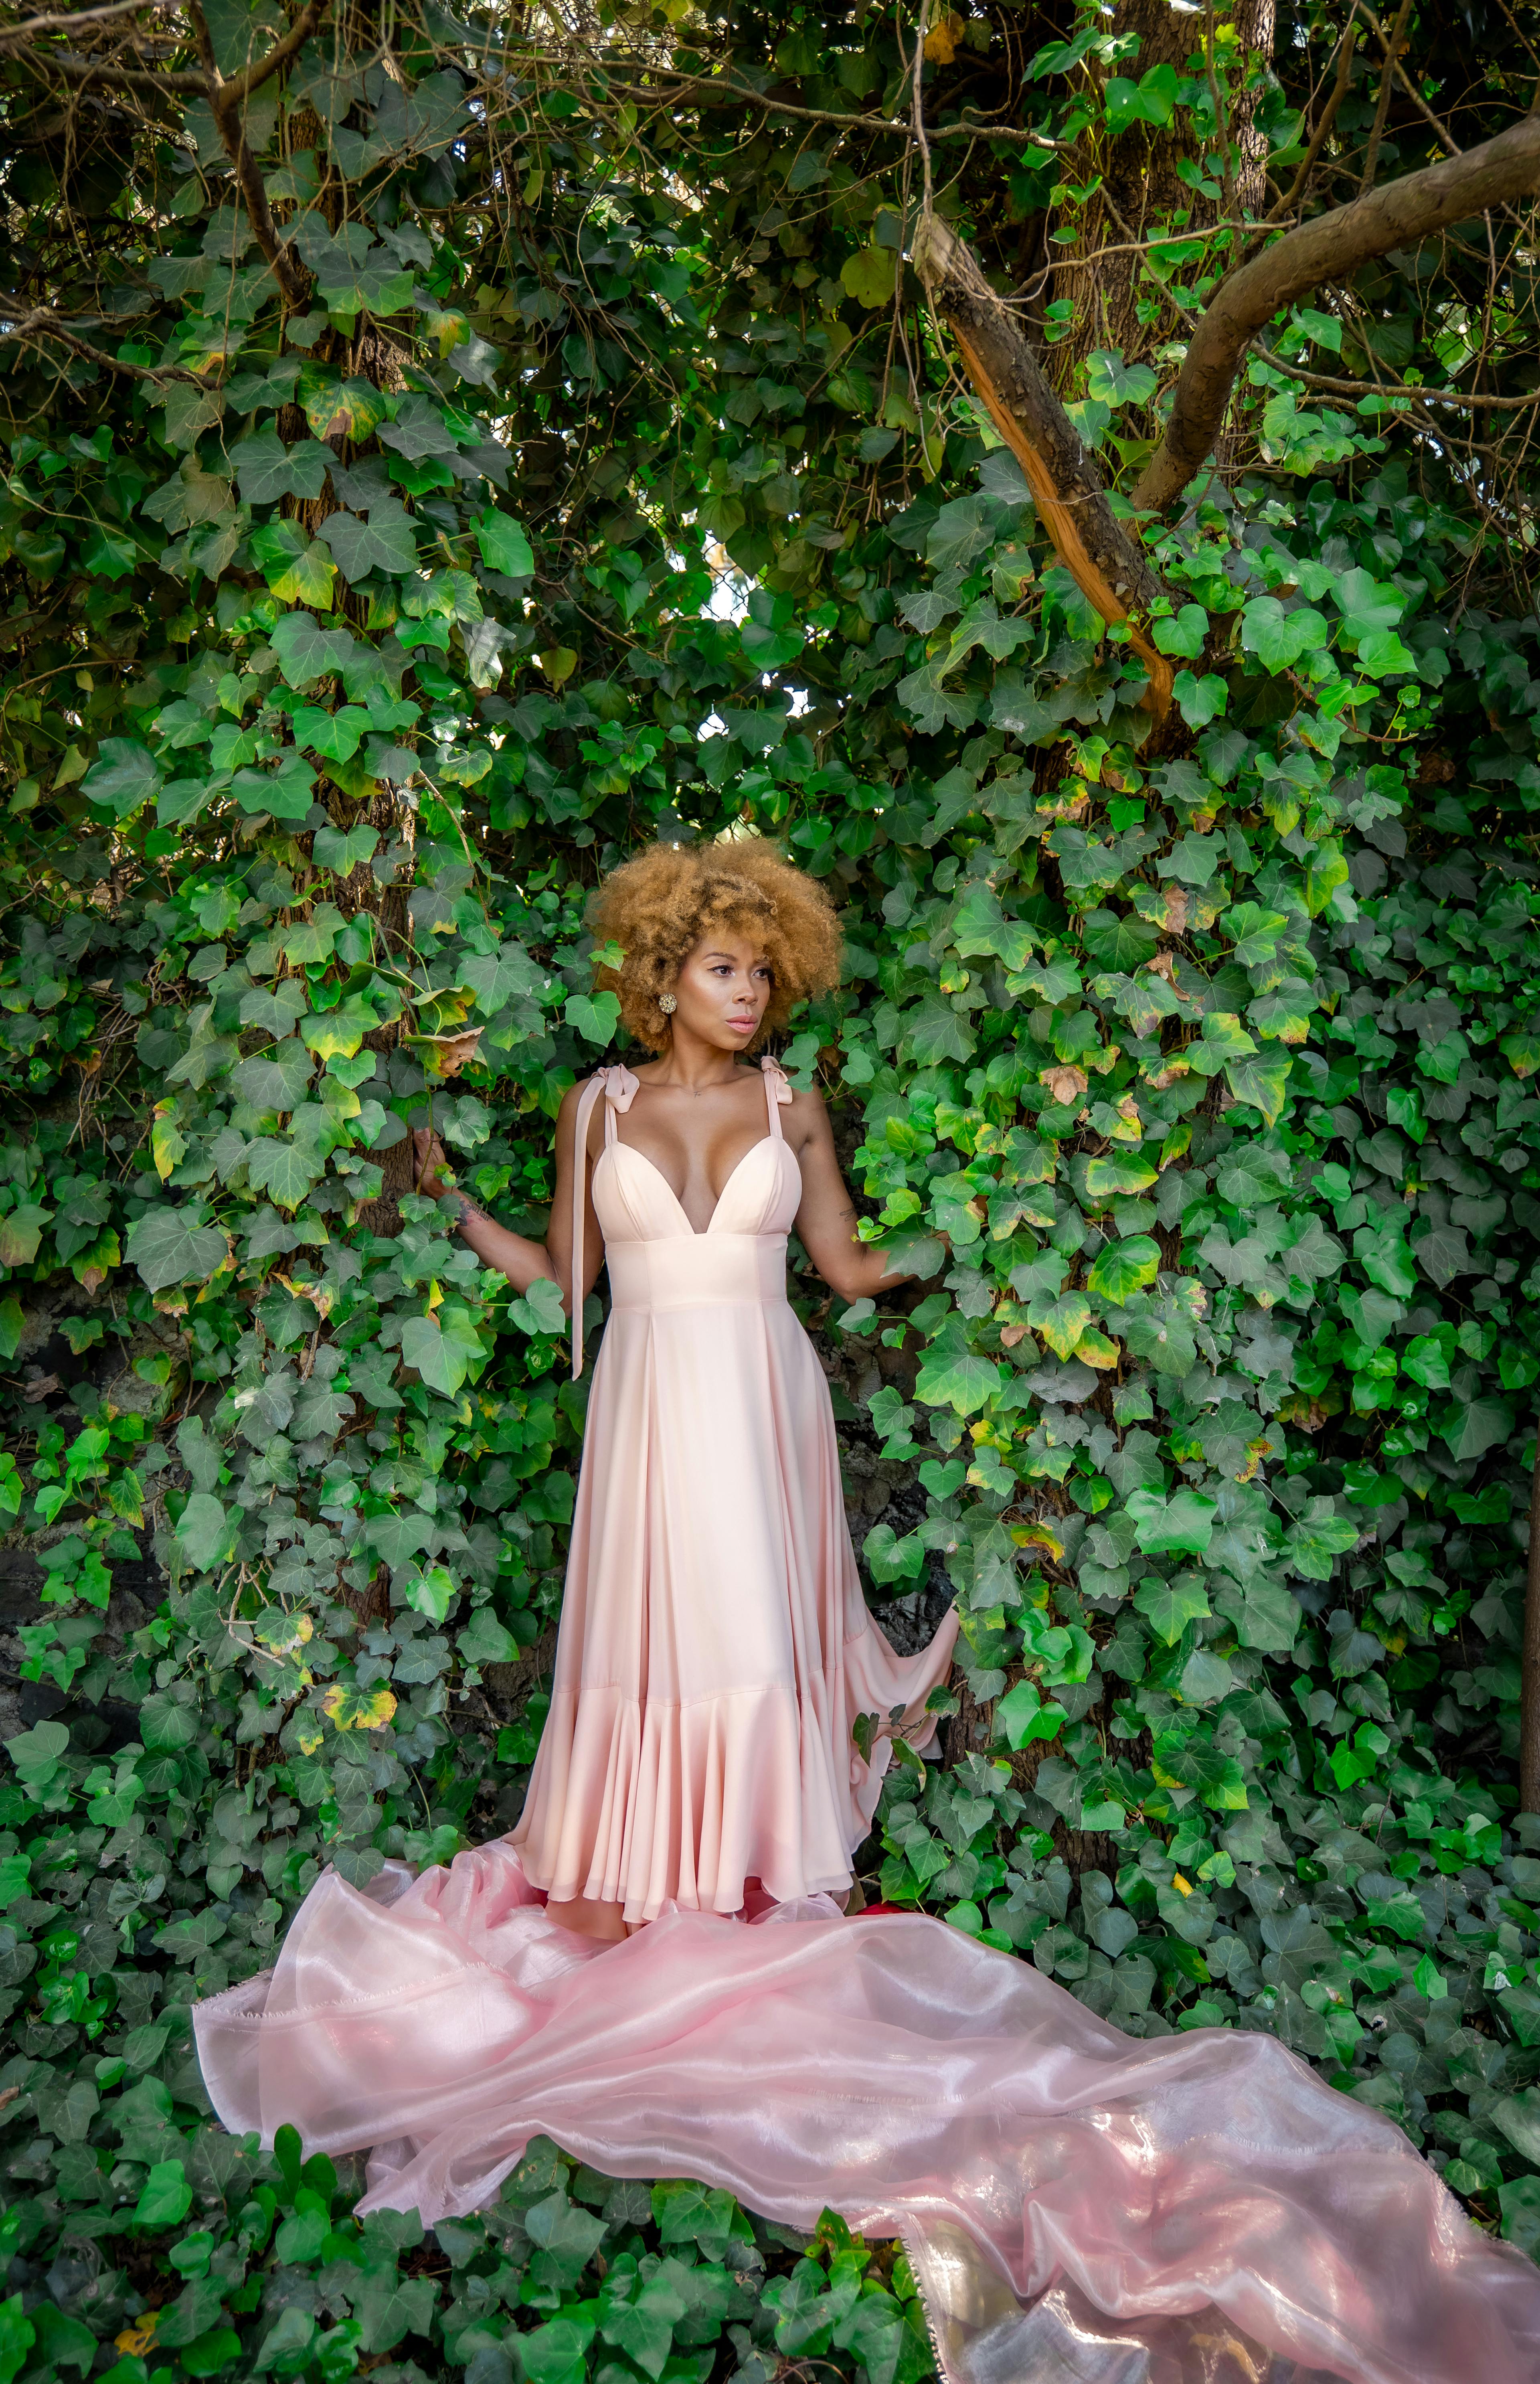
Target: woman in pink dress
1198, 2208
715, 1649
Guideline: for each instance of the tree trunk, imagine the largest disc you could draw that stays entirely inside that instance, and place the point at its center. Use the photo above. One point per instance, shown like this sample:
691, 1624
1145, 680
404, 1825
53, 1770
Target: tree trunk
1142, 188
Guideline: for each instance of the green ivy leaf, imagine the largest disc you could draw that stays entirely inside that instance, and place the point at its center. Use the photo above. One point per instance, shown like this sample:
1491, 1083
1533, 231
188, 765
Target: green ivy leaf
283, 1171
298, 569
1190, 1763
123, 776
443, 1354
1185, 635
962, 1380
871, 276
1124, 1267
1316, 1540
1261, 1082
503, 545
165, 2198
169, 1249
286, 790
1280, 640
1022, 1716
1199, 701
206, 1532
275, 1079
890, 1558
386, 542
1475, 1426
1169, 1606
593, 1017
307, 652
335, 735
1182, 1525
1118, 943
268, 471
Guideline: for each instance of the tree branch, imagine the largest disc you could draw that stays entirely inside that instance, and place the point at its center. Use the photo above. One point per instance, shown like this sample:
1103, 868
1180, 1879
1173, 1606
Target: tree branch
713, 90
1330, 248
1473, 401
72, 21
84, 70
1106, 561
228, 102
41, 324
251, 78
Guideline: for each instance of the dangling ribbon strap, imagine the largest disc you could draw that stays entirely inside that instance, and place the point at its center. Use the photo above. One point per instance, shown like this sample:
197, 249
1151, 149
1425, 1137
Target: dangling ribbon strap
777, 1082
620, 1089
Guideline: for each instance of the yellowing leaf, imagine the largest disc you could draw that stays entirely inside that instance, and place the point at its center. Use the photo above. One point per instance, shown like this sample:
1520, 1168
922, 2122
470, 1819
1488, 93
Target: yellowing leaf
167, 1147
1093, 1348
1038, 1535
1060, 1321
349, 1708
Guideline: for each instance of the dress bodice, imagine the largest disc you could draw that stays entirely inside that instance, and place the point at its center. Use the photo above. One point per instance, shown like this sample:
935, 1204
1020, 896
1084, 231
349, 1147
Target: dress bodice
636, 1204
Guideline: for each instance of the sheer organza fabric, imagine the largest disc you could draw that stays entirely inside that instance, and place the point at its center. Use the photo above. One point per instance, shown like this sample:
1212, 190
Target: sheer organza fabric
1078, 2205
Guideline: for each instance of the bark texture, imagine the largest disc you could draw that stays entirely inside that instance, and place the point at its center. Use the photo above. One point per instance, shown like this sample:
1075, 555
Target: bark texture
1141, 189
1107, 561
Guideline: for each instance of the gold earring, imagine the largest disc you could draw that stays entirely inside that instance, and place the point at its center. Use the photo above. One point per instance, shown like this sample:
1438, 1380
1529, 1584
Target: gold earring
667, 1004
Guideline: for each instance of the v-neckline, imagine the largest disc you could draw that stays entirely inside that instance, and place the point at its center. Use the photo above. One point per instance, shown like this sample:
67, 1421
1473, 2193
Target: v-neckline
698, 1233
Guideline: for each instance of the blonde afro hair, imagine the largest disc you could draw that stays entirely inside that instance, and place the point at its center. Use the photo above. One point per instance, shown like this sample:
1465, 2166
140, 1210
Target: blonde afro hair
659, 906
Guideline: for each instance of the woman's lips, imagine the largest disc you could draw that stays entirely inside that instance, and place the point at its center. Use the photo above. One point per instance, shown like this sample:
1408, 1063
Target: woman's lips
743, 1026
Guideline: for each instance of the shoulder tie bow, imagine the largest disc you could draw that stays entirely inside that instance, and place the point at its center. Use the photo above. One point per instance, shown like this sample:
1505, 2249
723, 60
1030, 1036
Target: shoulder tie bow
779, 1083
620, 1089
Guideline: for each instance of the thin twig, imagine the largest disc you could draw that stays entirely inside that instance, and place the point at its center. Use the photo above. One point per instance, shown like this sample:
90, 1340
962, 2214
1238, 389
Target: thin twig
1391, 52
1328, 117
83, 71
926, 188
1451, 143
1473, 400
1227, 158
702, 89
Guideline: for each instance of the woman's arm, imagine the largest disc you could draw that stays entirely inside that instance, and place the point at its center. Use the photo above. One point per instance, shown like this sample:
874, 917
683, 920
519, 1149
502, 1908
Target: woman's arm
827, 1220
513, 1255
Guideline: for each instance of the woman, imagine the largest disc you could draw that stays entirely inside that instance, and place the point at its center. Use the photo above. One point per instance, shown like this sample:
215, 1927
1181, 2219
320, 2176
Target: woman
716, 1650
1195, 2209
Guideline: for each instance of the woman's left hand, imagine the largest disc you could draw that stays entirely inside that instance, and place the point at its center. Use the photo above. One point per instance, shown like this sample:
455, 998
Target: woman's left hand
429, 1162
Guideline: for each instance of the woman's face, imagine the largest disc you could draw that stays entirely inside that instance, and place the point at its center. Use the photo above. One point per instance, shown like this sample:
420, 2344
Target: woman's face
723, 989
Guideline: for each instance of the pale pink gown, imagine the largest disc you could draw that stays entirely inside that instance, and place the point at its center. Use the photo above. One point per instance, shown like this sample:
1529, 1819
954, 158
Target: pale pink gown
715, 1649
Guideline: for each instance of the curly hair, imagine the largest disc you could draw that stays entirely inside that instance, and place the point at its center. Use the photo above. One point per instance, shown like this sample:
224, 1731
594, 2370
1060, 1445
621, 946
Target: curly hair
659, 906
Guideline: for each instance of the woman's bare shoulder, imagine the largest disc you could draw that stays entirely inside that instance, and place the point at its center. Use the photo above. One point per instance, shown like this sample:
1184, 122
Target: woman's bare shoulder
806, 1117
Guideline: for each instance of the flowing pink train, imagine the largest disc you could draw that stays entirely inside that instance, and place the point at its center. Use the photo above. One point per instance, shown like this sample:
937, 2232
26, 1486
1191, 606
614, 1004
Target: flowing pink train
1077, 2205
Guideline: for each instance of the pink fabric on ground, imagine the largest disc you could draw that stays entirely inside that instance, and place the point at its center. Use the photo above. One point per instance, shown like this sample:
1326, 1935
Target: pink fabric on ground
918, 2083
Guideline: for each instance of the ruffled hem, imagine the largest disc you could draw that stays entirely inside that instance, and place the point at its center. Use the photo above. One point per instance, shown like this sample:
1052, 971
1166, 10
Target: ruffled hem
646, 1801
